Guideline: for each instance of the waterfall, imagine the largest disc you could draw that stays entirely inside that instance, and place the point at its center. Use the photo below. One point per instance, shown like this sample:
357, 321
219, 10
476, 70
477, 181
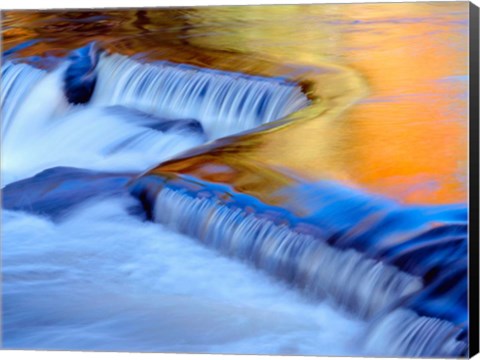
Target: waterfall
17, 82
363, 286
165, 109
224, 102
405, 332
402, 288
41, 130
400, 269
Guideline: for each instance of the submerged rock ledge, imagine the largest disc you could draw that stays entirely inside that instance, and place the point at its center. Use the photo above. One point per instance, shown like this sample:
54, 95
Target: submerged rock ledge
383, 256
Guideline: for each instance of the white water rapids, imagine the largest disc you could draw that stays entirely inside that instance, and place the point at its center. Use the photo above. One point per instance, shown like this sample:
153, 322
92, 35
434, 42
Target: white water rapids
101, 278
84, 270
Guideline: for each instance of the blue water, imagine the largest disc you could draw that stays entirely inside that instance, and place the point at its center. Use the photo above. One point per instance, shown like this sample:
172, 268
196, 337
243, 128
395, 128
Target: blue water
103, 279
85, 268
98, 276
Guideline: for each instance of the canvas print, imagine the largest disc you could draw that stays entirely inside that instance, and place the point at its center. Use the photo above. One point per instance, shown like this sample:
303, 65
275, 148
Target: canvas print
285, 179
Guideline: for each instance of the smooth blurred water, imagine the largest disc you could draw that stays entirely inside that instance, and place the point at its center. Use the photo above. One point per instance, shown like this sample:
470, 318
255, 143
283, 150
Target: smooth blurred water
411, 56
99, 277
103, 279
225, 103
42, 130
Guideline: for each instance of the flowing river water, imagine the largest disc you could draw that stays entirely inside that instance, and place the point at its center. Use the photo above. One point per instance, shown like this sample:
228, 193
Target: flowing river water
297, 236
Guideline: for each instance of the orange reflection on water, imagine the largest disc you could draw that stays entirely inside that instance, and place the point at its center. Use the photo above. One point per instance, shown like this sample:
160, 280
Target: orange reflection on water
414, 125
406, 139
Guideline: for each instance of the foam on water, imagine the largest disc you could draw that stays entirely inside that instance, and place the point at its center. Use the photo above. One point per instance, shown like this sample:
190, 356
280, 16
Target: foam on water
42, 130
102, 279
401, 287
97, 277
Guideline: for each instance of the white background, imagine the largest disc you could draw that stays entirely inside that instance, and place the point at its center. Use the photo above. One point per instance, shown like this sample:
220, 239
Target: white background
50, 4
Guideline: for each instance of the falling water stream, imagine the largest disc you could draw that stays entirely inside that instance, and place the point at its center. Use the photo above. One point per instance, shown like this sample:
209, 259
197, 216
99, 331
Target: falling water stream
102, 278
98, 257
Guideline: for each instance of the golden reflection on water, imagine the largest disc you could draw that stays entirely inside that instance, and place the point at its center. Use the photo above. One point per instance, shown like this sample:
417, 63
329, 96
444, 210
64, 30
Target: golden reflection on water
407, 138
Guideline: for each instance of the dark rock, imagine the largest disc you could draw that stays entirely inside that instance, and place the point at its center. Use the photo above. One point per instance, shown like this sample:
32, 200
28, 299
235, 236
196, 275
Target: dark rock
55, 191
80, 76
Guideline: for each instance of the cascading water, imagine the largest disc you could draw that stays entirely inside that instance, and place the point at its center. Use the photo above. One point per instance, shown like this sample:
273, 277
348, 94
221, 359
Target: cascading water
362, 285
17, 81
225, 103
83, 242
36, 111
412, 291
82, 271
